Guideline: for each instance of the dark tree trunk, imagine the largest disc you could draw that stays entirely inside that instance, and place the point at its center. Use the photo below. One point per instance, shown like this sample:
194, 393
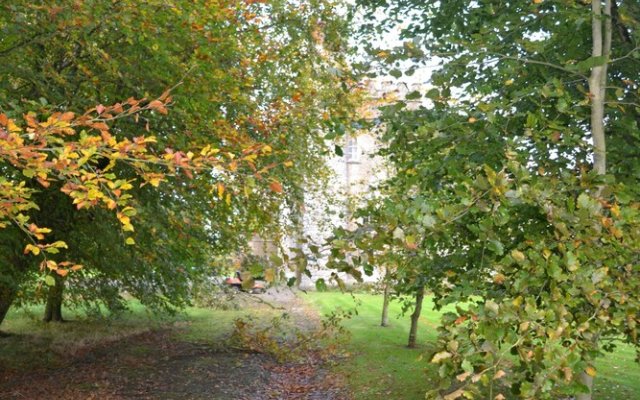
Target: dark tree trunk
413, 332
53, 309
7, 295
385, 301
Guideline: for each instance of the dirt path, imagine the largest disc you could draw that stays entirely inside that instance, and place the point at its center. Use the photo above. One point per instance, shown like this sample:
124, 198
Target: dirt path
156, 365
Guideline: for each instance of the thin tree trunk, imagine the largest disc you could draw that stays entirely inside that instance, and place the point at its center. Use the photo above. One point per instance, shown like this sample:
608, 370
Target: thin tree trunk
601, 36
299, 225
298, 276
415, 317
7, 295
53, 309
385, 301
601, 32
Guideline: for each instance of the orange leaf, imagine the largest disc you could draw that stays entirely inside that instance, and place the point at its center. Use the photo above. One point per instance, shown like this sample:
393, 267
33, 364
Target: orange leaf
276, 186
68, 116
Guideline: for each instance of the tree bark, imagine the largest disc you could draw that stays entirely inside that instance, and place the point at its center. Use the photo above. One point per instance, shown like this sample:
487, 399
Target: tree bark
299, 226
7, 295
415, 317
601, 47
385, 301
601, 33
53, 309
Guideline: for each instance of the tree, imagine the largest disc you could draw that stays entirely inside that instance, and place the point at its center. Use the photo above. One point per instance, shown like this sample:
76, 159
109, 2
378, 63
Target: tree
231, 103
384, 235
520, 216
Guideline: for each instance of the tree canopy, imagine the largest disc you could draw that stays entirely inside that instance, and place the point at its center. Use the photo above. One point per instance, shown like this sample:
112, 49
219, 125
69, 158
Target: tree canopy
233, 97
515, 191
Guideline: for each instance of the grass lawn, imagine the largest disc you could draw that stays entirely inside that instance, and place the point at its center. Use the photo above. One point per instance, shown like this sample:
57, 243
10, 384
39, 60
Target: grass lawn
381, 367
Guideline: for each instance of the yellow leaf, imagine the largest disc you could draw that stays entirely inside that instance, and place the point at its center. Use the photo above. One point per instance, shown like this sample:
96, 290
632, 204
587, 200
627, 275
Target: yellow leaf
443, 355
124, 220
518, 255
288, 163
12, 127
33, 249
52, 265
220, 190
60, 244
568, 374
130, 241
517, 301
590, 371
463, 376
615, 210
454, 395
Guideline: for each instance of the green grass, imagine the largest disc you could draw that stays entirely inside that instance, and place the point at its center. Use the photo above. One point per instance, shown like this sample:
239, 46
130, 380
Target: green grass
382, 367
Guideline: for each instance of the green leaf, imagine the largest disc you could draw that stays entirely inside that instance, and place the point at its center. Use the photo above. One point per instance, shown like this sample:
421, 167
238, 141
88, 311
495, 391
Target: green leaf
467, 366
321, 285
413, 95
571, 261
495, 246
338, 151
49, 280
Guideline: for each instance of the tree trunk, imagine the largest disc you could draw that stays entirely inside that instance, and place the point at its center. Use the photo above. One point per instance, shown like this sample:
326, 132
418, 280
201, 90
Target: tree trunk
601, 47
298, 276
7, 295
298, 220
586, 380
53, 309
385, 301
415, 317
601, 36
